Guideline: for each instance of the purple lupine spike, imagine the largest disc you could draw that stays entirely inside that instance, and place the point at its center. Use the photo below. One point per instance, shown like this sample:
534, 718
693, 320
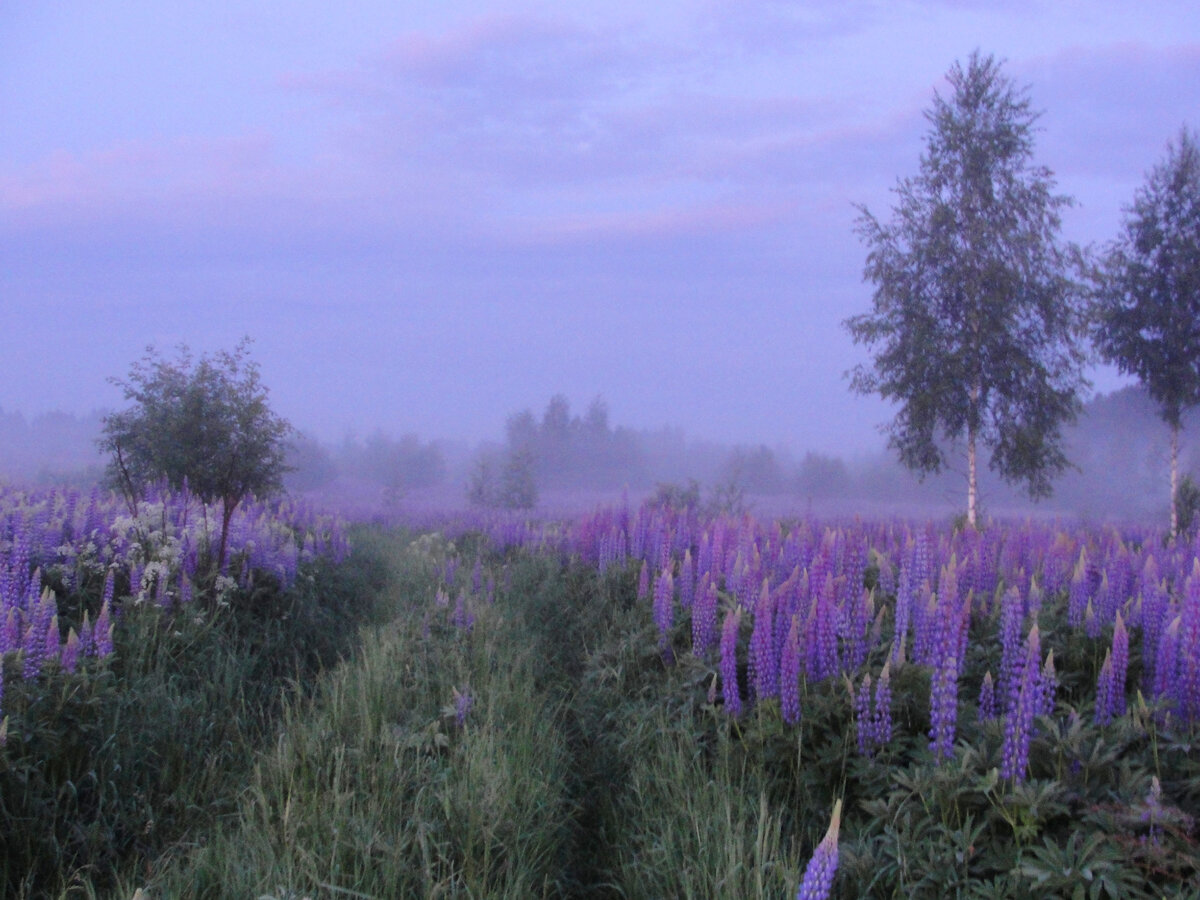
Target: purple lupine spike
462, 617
943, 708
1166, 664
818, 874
643, 588
1018, 722
687, 580
102, 633
664, 613
789, 674
70, 652
987, 698
1012, 649
1047, 687
1120, 667
862, 717
463, 703
1187, 688
704, 617
729, 680
823, 651
881, 716
764, 664
1105, 689
1080, 591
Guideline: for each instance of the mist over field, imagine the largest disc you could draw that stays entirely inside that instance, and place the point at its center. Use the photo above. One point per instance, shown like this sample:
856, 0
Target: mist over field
583, 458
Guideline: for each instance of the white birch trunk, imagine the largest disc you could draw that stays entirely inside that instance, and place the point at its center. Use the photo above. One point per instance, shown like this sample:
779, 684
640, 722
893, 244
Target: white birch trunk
971, 483
1174, 479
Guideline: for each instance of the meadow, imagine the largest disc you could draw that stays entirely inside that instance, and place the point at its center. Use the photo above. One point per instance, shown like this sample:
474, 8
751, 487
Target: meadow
643, 701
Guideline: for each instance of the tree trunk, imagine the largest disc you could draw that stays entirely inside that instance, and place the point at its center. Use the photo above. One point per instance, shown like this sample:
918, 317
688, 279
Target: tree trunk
1174, 479
227, 509
972, 485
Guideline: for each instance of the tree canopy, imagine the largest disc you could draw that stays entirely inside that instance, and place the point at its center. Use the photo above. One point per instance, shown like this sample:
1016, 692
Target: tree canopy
204, 424
1148, 293
977, 318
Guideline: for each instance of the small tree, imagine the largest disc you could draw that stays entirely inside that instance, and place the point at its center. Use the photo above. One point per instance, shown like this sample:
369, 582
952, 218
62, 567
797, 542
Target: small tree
1148, 293
976, 317
204, 423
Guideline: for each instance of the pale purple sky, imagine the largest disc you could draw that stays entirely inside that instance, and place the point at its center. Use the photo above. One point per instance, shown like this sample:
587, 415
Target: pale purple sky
431, 215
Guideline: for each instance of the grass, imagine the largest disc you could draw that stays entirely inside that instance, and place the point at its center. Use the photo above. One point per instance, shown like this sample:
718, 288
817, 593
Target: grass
550, 750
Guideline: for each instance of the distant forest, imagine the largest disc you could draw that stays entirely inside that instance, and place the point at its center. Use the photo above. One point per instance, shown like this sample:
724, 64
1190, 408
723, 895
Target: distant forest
1119, 447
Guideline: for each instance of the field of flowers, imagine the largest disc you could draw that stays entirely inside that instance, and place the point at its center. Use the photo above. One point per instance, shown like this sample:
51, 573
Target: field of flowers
638, 702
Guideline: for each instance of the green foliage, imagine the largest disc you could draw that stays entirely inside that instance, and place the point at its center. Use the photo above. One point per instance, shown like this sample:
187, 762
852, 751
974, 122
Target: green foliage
504, 485
1148, 294
586, 764
1187, 504
976, 316
201, 423
106, 768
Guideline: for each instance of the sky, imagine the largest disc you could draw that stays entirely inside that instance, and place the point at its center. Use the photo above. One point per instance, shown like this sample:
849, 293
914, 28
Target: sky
428, 216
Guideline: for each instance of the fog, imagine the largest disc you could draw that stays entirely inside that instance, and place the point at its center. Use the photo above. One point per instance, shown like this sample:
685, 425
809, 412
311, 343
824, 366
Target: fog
580, 457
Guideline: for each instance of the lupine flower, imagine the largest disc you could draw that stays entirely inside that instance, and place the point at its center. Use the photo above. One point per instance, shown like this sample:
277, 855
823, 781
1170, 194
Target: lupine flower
881, 716
643, 589
729, 679
687, 580
664, 614
463, 703
1022, 709
70, 652
1110, 686
764, 664
789, 674
704, 617
862, 716
462, 618
1012, 650
818, 875
987, 698
102, 632
943, 708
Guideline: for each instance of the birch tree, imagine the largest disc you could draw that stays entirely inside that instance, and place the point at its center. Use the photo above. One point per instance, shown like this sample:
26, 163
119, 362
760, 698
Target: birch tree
977, 315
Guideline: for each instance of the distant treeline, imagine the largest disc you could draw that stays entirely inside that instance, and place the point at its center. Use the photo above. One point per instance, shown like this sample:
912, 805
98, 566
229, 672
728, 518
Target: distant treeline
1119, 447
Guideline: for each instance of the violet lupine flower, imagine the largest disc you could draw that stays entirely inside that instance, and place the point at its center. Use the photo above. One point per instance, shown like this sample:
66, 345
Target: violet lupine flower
764, 664
987, 698
664, 616
862, 716
818, 875
463, 703
70, 652
823, 649
729, 679
789, 674
1022, 709
643, 588
687, 580
1012, 649
1166, 664
462, 618
1080, 591
881, 716
943, 708
1105, 688
1110, 703
10, 631
704, 617
102, 633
